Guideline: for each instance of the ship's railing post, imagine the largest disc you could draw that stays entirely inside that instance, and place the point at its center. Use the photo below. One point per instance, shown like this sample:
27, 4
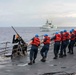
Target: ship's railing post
5, 47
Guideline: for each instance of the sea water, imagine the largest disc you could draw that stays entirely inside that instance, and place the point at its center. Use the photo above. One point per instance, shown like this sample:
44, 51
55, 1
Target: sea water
6, 33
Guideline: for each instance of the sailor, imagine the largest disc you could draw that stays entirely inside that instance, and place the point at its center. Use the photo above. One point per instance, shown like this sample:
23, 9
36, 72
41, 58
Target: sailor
46, 41
19, 49
74, 31
15, 39
22, 45
15, 50
57, 39
61, 49
67, 34
72, 42
65, 41
35, 42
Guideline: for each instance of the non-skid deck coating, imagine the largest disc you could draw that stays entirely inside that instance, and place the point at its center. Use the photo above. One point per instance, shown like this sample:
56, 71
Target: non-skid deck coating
60, 66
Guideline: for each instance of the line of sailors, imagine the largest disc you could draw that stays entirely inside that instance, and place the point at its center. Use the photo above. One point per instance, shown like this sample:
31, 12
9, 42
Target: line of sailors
61, 41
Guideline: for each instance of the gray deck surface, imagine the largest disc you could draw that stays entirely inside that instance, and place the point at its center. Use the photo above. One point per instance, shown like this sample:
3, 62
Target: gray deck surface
20, 66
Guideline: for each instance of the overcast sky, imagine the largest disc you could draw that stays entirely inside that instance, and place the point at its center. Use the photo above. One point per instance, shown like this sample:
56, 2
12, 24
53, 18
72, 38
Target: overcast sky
29, 13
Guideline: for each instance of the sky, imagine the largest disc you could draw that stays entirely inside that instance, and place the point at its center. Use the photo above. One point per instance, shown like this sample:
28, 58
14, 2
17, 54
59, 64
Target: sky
34, 13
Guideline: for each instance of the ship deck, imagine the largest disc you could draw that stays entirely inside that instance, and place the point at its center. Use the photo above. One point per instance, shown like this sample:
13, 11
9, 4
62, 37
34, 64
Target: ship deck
60, 66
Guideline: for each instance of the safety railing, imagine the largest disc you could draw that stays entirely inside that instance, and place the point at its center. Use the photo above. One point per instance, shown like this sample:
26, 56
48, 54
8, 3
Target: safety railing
6, 48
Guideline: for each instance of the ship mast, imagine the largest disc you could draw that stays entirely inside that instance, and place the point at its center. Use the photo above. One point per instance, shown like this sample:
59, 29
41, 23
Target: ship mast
47, 22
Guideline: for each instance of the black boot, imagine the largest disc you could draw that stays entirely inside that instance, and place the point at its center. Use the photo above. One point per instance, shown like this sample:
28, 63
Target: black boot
68, 52
30, 63
64, 55
55, 58
72, 52
60, 55
43, 59
33, 61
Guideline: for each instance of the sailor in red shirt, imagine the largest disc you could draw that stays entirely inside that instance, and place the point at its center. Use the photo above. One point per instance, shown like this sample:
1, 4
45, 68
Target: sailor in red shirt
72, 42
45, 48
64, 43
57, 40
35, 42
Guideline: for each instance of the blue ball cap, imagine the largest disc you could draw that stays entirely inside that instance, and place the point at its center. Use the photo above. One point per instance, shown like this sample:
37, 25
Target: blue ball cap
45, 34
72, 29
56, 33
65, 30
61, 31
36, 35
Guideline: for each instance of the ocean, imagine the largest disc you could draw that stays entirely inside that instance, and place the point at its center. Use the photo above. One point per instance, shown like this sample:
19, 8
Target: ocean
6, 33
